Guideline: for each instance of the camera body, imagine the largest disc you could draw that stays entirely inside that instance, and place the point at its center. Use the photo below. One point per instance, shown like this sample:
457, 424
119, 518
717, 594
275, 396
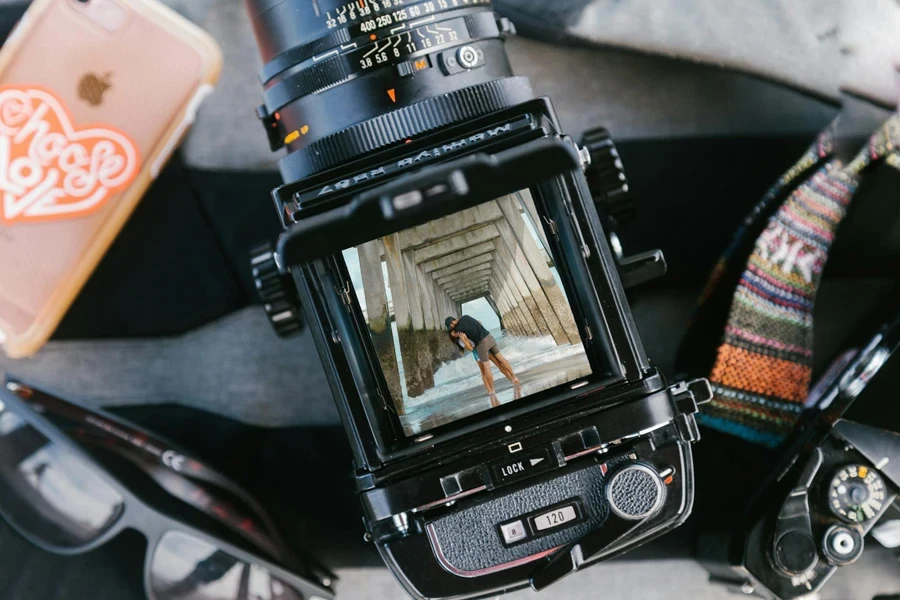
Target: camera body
837, 479
521, 494
435, 212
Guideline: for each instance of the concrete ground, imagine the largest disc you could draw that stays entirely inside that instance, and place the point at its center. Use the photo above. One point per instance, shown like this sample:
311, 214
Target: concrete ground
474, 399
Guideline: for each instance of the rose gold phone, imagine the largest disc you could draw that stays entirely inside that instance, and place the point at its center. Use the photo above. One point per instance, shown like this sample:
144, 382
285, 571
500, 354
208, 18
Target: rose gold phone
94, 97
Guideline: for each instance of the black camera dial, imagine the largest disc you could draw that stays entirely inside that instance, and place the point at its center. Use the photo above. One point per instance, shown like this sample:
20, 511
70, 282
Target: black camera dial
856, 493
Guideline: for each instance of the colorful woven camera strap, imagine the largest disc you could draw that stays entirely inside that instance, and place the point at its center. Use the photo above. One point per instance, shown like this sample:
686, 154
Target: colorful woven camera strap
821, 149
761, 376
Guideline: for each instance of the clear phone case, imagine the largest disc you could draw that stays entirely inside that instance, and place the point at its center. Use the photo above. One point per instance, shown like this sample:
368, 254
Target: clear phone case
94, 97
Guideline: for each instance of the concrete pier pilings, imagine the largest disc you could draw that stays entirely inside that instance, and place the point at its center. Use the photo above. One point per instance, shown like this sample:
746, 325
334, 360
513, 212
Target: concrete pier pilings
490, 252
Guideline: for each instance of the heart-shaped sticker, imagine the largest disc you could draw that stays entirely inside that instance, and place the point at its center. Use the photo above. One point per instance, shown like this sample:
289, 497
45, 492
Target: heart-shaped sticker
51, 170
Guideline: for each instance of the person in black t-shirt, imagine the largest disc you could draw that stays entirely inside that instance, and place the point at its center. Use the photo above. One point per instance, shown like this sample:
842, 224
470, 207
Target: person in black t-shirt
470, 334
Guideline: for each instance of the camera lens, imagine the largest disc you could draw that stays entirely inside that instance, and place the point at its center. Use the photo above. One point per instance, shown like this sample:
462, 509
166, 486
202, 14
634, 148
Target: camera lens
347, 78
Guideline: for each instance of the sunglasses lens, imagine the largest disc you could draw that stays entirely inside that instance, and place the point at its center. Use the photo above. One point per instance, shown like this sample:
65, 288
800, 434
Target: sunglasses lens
186, 568
48, 491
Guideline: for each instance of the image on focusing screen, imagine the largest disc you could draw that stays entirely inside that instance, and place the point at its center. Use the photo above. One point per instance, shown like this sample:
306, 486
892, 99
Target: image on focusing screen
467, 312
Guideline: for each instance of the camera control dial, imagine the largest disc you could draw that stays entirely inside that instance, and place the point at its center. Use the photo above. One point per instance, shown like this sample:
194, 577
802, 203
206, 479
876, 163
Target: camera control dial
635, 492
856, 493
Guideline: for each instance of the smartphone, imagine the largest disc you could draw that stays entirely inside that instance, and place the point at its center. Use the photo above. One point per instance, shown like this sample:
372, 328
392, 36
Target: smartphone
95, 95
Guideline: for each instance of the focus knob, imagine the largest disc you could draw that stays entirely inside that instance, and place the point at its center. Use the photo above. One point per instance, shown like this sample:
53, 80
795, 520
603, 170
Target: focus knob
606, 178
276, 290
635, 492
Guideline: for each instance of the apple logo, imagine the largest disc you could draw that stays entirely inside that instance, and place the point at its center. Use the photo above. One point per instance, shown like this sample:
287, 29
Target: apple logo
91, 88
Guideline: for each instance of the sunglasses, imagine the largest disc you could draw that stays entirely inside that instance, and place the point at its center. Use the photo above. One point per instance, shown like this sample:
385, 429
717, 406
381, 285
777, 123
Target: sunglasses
69, 482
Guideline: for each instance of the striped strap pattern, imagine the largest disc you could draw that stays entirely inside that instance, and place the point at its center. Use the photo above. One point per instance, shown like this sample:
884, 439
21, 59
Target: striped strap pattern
762, 372
818, 150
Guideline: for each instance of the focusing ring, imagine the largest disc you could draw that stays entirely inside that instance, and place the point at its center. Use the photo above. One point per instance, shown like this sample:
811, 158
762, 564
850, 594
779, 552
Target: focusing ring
404, 123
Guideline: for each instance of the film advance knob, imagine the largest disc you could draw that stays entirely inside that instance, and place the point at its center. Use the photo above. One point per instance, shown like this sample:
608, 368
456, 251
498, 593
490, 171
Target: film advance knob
606, 177
635, 492
796, 553
276, 291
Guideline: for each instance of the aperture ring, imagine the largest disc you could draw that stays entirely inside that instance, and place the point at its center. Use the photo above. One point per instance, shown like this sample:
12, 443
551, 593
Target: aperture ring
404, 123
384, 53
308, 81
386, 19
302, 53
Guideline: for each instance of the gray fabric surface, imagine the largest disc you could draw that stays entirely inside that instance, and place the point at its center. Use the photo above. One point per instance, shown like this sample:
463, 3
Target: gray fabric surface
870, 49
236, 367
636, 96
785, 40
796, 42
227, 134
819, 46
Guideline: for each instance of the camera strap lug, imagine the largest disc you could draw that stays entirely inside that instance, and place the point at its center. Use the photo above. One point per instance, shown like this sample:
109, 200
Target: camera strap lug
688, 396
687, 428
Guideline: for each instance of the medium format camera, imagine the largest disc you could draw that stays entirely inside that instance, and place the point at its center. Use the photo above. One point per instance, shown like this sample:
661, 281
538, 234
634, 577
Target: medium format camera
451, 264
837, 480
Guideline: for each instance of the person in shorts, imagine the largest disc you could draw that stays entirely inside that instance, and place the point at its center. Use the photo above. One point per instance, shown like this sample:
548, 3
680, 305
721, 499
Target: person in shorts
462, 342
470, 334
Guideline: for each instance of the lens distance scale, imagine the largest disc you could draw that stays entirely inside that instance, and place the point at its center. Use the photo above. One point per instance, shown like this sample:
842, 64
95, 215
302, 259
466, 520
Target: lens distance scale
333, 38
367, 16
333, 68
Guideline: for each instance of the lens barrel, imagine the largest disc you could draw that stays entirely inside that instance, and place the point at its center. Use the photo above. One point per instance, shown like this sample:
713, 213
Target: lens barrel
344, 79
